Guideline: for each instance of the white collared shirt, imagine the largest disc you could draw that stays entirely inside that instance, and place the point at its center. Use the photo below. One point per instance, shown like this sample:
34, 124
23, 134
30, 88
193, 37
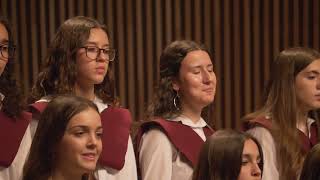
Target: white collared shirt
1, 99
197, 127
158, 157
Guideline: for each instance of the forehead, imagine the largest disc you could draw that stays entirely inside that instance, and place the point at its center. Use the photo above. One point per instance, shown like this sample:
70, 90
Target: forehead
88, 117
98, 35
250, 147
196, 58
3, 34
314, 66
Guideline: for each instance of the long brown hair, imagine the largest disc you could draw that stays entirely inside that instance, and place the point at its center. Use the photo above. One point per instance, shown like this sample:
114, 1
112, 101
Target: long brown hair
51, 128
170, 61
12, 104
59, 73
221, 156
281, 105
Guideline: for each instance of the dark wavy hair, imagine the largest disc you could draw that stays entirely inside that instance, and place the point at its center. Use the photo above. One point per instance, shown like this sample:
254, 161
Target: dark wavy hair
59, 73
170, 62
51, 128
281, 105
311, 166
221, 156
12, 104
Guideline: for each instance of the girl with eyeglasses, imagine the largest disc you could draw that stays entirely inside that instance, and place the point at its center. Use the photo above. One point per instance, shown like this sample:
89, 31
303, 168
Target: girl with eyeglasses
15, 135
80, 61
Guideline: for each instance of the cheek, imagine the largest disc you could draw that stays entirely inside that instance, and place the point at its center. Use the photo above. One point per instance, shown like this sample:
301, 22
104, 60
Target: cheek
2, 65
304, 92
99, 146
192, 82
244, 173
71, 146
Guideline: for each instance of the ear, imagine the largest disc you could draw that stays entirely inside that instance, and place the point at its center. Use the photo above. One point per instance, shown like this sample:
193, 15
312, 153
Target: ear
175, 84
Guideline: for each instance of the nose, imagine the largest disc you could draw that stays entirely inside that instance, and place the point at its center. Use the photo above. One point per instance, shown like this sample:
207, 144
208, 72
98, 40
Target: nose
101, 57
256, 171
208, 77
318, 83
92, 140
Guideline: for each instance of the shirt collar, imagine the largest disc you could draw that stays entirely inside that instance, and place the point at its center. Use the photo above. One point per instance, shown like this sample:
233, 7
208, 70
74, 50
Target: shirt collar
186, 121
1, 97
309, 122
99, 103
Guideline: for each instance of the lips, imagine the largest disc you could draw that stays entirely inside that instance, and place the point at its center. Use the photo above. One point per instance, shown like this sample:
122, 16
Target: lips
209, 90
89, 156
100, 69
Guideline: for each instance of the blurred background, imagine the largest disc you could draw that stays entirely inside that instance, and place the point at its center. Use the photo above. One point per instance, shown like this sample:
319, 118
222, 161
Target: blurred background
243, 36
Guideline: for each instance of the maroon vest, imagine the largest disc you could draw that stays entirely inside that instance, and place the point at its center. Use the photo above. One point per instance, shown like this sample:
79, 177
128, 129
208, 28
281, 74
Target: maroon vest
12, 131
116, 124
187, 141
306, 142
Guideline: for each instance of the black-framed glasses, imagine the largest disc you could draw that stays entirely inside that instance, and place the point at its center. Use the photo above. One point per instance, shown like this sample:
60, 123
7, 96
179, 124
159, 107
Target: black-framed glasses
93, 52
7, 51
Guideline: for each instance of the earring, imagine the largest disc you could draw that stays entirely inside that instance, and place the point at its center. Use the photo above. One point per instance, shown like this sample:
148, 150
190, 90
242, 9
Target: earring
175, 99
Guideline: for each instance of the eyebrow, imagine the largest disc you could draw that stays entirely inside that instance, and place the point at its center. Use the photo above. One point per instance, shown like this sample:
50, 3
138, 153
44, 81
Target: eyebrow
83, 127
249, 156
313, 72
4, 41
94, 43
200, 66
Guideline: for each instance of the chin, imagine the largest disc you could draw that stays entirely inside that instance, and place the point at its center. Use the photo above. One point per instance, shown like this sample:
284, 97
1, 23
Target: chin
208, 101
89, 168
98, 81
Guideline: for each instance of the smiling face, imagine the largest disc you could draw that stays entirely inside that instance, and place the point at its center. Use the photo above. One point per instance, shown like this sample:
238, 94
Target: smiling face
81, 145
90, 71
4, 39
307, 86
196, 83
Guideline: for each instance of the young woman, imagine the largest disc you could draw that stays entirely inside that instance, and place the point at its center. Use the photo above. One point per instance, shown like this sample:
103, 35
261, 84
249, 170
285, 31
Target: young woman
311, 165
15, 133
80, 62
168, 144
229, 155
67, 143
283, 126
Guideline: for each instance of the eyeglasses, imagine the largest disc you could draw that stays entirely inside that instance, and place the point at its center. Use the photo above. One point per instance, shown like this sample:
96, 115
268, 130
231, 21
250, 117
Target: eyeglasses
7, 51
93, 52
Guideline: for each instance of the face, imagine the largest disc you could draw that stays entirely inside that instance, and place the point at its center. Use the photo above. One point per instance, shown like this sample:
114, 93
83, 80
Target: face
196, 84
4, 39
307, 85
93, 71
250, 162
81, 144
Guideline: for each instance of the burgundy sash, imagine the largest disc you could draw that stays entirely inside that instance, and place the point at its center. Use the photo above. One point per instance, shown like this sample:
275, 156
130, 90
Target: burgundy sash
306, 142
116, 124
187, 141
12, 131
38, 107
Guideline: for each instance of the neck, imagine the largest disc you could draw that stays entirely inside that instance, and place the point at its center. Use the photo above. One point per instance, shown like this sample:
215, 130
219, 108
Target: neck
302, 119
86, 91
194, 114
